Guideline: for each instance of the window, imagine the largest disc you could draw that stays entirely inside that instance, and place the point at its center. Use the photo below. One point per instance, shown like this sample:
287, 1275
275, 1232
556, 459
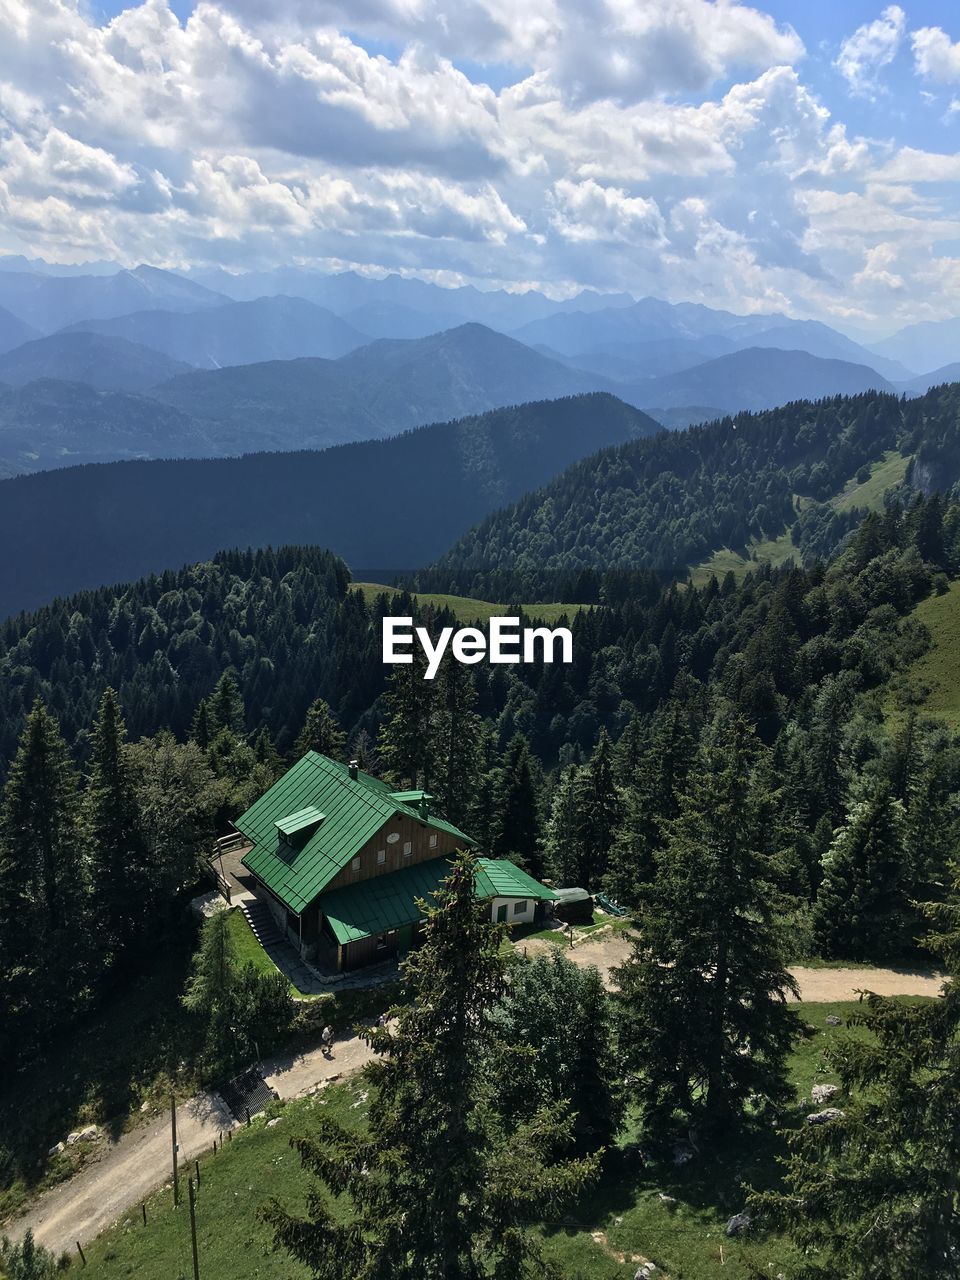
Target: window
381, 857
433, 842
520, 907
407, 848
355, 865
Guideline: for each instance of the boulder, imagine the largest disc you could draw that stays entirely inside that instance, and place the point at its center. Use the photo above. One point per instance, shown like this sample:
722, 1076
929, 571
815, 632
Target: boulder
833, 1021
58, 1149
739, 1223
821, 1093
825, 1116
645, 1271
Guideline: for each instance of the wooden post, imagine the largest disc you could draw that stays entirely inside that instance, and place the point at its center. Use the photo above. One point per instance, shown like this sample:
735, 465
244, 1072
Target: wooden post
143, 1210
80, 1251
173, 1141
248, 1117
197, 1167
193, 1231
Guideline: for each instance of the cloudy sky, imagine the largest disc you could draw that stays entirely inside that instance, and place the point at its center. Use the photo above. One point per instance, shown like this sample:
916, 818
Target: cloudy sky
797, 155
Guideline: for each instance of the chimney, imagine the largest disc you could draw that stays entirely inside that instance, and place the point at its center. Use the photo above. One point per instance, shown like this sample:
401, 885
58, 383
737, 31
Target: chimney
424, 806
354, 766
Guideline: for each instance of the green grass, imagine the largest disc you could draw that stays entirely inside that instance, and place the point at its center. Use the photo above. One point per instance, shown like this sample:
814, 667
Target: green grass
624, 1210
466, 609
245, 945
933, 680
885, 474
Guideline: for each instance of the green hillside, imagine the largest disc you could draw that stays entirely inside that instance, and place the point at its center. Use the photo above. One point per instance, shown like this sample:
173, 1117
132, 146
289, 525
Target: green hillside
467, 609
864, 495
932, 682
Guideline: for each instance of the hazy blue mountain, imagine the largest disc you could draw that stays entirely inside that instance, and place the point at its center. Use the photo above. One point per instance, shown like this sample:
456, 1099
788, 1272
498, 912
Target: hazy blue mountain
57, 424
277, 328
926, 346
377, 390
347, 291
397, 502
109, 364
917, 386
51, 302
820, 340
631, 361
757, 378
14, 331
394, 320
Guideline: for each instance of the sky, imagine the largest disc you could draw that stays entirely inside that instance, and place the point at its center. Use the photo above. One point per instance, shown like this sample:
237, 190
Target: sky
795, 155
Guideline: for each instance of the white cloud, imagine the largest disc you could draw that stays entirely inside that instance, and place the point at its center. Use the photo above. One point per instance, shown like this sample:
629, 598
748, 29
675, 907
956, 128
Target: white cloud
870, 48
935, 55
585, 211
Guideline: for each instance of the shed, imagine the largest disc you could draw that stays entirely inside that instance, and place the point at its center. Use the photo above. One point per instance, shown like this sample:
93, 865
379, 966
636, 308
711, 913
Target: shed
573, 905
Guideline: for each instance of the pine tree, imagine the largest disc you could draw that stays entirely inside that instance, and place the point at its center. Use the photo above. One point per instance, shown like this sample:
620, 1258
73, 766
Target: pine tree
562, 854
863, 909
407, 743
200, 727
458, 743
873, 1193
703, 1020
118, 871
320, 733
225, 710
441, 1183
516, 831
44, 960
597, 811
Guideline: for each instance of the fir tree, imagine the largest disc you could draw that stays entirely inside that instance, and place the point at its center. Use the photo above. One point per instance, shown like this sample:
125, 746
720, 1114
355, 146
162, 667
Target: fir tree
458, 743
44, 959
704, 1023
863, 910
118, 872
407, 743
200, 726
225, 710
597, 811
320, 733
873, 1193
516, 832
441, 1185
561, 852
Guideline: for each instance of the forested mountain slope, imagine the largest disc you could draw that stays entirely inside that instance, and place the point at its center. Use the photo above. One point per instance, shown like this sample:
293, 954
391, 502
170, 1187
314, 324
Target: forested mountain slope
381, 504
669, 502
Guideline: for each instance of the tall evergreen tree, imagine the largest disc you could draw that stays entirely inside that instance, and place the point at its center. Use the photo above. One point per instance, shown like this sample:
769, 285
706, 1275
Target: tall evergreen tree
597, 811
321, 732
562, 854
863, 909
442, 1185
118, 872
874, 1192
225, 710
44, 959
407, 744
704, 1023
516, 832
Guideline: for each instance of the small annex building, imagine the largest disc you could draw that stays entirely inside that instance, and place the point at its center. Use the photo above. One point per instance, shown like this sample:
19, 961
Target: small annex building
341, 859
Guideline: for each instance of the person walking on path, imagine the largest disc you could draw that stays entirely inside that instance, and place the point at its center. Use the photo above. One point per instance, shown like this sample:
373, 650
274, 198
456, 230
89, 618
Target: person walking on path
326, 1036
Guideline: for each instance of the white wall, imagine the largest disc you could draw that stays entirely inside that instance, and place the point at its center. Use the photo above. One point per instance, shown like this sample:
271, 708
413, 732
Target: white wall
522, 917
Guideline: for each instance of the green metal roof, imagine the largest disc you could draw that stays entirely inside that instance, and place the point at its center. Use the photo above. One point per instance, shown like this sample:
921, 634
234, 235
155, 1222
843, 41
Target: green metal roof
390, 901
300, 821
355, 811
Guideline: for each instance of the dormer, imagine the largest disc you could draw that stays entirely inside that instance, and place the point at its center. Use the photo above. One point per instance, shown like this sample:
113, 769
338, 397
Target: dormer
297, 828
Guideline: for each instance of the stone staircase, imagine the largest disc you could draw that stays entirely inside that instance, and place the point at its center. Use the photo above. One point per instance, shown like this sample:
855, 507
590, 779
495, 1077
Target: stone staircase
262, 923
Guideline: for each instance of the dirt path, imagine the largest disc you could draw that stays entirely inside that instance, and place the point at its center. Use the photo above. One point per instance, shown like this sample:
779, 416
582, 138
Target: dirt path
123, 1174
819, 986
126, 1172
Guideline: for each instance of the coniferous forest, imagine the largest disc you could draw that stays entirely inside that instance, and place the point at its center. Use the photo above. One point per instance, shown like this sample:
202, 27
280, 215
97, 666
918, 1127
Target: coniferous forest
479, 640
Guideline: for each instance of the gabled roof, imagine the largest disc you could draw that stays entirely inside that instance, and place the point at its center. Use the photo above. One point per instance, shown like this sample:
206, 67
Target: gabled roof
389, 902
354, 811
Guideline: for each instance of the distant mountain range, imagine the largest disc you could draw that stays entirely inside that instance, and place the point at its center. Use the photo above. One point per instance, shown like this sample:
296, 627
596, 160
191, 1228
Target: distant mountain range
277, 328
390, 502
925, 346
14, 331
50, 302
108, 364
377, 390
948, 373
